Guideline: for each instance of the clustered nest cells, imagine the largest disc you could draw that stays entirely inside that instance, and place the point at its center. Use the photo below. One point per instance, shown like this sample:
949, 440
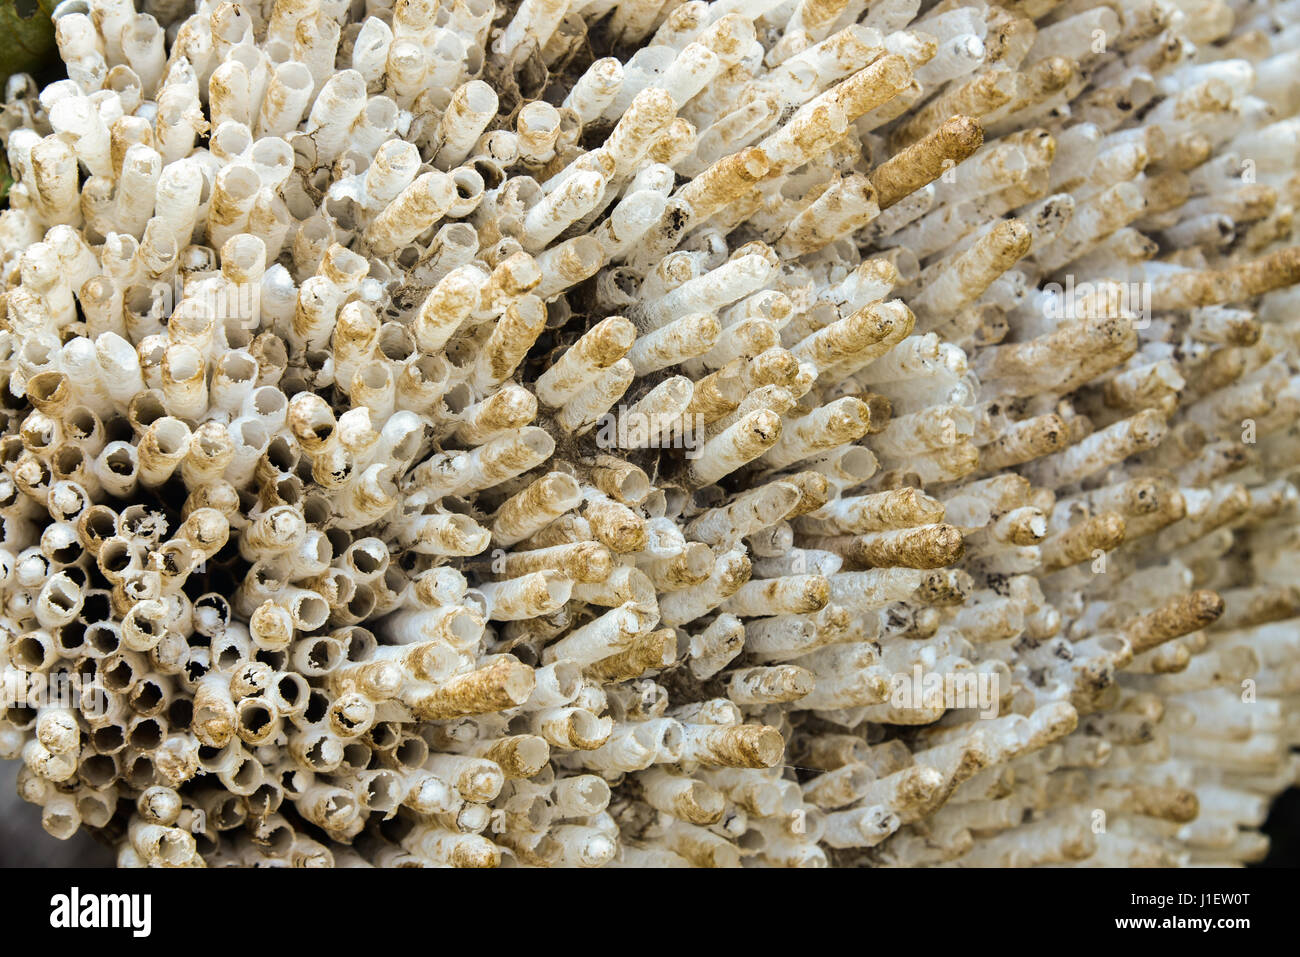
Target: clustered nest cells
594, 433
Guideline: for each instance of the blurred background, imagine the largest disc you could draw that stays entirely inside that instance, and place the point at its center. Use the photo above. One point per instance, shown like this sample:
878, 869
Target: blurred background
23, 843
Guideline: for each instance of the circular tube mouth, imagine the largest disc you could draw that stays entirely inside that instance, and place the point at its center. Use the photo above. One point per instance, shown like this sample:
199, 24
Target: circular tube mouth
396, 341
368, 557
671, 741
469, 186
347, 266
231, 140
540, 118
182, 363
322, 656
347, 86
310, 612
480, 98
172, 435
374, 375
240, 183
103, 638
585, 727
592, 794
381, 113
294, 76
568, 678
558, 590
30, 653
383, 792
412, 751
289, 693
398, 157
147, 735
70, 7
254, 718
251, 434
60, 820
140, 772
462, 625
244, 255
539, 442
245, 778
633, 487
231, 29
98, 770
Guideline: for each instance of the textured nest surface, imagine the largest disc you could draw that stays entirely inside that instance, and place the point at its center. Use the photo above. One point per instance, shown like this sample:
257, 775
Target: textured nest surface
594, 433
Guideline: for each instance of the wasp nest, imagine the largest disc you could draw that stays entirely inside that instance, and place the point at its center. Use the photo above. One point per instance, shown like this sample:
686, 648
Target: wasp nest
628, 432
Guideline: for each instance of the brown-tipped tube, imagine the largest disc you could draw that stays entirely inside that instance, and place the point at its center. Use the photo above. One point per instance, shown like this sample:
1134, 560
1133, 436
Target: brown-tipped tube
582, 412
748, 513
847, 337
652, 651
685, 337
928, 546
718, 393
871, 87
741, 443
50, 392
901, 321
977, 97
586, 562
961, 279
1025, 368
504, 683
519, 756
510, 407
622, 481
162, 448
528, 512
214, 712
682, 797
414, 210
615, 525
511, 338
737, 746
599, 348
1258, 605
1165, 803
206, 530
648, 115
846, 204
1078, 543
926, 160
877, 512
1024, 441
844, 420
692, 566
94, 526
1179, 616
1187, 290
448, 304
529, 596
725, 181
770, 685
788, 595
1099, 450
814, 492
